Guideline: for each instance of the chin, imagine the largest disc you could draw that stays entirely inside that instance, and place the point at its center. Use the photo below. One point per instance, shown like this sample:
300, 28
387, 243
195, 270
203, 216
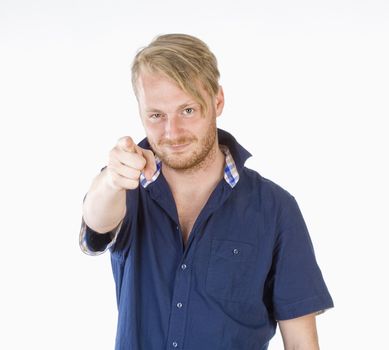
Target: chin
193, 161
178, 162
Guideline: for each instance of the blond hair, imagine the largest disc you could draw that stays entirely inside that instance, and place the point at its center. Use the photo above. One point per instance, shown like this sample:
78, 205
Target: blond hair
185, 59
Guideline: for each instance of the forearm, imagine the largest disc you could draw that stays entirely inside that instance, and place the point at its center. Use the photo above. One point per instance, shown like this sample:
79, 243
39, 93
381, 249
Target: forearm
104, 207
300, 333
312, 346
309, 341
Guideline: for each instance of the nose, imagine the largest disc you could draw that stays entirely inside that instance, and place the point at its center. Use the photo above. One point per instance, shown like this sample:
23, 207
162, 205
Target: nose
172, 127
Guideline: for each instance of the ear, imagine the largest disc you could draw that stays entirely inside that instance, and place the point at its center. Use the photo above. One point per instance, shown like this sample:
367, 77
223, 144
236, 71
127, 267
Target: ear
219, 101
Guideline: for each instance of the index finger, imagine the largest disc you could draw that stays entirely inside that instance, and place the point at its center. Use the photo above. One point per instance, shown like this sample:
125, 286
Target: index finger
127, 144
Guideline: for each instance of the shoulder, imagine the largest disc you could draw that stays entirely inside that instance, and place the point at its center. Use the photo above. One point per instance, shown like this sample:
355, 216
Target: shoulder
270, 200
263, 187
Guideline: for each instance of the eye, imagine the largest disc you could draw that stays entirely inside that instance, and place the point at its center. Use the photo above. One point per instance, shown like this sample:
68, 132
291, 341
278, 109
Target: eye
189, 111
155, 116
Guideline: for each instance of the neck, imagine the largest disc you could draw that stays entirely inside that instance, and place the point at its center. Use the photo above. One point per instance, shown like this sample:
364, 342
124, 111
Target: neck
207, 174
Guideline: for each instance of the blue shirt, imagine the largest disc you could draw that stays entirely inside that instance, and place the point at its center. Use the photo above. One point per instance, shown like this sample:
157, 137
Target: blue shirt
248, 262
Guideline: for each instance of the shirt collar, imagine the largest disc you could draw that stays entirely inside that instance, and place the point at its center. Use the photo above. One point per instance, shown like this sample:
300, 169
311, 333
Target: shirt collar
235, 156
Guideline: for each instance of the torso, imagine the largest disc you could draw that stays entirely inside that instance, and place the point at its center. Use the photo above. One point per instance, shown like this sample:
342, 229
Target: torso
188, 211
191, 193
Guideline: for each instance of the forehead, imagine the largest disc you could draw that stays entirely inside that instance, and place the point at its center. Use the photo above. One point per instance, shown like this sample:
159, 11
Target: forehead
157, 85
156, 90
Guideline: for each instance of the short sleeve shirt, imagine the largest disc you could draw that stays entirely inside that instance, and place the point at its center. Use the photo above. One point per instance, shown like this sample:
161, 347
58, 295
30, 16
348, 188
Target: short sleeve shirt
248, 262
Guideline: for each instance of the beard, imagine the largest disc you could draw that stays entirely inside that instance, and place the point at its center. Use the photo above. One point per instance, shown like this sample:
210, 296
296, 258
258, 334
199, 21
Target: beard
204, 150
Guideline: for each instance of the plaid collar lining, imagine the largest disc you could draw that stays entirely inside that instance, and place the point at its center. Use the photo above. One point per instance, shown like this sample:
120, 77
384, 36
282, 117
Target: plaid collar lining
231, 174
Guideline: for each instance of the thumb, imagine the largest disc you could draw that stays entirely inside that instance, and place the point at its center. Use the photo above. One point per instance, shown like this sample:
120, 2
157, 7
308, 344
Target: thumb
150, 167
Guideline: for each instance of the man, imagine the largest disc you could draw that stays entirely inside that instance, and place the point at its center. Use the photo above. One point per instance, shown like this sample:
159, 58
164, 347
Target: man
206, 254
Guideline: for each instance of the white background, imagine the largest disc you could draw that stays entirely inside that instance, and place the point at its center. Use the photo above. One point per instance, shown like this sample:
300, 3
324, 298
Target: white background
306, 86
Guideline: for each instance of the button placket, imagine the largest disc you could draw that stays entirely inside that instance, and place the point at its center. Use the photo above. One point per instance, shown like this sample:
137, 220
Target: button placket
180, 297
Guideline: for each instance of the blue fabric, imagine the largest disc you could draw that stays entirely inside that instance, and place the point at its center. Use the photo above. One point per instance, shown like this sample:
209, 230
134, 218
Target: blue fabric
248, 262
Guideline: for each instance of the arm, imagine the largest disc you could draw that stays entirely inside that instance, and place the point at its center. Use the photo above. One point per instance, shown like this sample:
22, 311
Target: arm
300, 333
297, 284
105, 204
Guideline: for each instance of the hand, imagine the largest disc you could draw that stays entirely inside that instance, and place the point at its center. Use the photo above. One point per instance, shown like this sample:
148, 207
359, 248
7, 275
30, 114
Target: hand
126, 162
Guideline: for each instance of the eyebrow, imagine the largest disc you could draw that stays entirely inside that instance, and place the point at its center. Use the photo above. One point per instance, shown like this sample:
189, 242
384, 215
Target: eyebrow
190, 102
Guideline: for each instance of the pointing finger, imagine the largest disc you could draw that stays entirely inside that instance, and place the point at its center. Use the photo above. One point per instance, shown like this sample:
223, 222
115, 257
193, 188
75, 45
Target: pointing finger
127, 144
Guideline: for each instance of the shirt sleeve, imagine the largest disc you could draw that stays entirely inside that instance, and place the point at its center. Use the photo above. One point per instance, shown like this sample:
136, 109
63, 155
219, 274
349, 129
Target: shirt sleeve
94, 243
298, 285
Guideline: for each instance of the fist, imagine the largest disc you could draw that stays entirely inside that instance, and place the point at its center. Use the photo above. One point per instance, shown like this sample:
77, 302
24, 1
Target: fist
126, 162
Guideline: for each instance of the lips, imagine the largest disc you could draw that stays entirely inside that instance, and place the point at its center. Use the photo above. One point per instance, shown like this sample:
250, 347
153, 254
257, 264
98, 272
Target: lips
178, 146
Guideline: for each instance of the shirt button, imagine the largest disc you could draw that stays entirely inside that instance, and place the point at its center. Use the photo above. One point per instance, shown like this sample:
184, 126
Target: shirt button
236, 251
183, 266
174, 344
179, 305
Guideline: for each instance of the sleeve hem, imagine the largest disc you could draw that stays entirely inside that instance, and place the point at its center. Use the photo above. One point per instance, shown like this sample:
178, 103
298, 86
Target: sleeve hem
87, 248
318, 304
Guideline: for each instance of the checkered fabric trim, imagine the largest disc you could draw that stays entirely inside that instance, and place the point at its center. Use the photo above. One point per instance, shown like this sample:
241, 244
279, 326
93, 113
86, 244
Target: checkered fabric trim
231, 174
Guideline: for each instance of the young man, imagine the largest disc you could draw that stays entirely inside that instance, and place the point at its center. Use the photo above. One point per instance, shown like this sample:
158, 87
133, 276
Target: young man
206, 254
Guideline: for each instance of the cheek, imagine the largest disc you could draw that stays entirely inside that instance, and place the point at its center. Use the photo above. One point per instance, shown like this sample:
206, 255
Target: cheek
153, 132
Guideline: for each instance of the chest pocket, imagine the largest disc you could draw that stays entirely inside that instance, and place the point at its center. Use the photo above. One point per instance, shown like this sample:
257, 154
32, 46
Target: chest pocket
231, 272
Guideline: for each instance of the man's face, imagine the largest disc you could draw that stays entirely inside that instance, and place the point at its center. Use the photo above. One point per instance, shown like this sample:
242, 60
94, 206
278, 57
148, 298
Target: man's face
180, 134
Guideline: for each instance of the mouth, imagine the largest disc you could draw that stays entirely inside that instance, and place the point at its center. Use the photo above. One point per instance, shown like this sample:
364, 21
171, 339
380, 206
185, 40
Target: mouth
178, 147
